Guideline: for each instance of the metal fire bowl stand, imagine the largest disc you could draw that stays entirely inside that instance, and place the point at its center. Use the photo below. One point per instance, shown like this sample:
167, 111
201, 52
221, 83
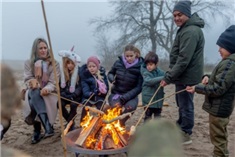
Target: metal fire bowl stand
72, 136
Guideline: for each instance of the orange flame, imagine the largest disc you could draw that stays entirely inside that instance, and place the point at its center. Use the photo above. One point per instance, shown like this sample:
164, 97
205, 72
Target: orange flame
109, 128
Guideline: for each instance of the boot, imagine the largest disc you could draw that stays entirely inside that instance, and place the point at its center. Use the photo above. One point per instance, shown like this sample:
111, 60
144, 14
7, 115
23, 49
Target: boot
37, 133
46, 124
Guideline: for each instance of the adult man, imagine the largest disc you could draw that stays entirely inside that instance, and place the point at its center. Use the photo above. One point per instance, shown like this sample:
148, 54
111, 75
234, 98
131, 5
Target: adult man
186, 63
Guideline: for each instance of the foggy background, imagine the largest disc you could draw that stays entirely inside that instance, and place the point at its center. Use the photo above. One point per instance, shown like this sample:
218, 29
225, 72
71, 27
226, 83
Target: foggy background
22, 22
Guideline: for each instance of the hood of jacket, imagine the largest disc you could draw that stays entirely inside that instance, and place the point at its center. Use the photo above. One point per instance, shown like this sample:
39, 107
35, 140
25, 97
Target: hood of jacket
195, 20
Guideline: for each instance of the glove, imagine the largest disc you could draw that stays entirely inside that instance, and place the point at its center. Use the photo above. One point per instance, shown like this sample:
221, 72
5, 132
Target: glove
122, 101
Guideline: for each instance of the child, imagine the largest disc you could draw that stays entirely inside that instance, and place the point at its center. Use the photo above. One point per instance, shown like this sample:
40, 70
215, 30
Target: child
219, 91
70, 84
152, 76
127, 81
94, 84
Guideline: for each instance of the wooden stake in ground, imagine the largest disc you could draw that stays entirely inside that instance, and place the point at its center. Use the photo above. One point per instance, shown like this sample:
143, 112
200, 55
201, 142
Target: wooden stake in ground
56, 79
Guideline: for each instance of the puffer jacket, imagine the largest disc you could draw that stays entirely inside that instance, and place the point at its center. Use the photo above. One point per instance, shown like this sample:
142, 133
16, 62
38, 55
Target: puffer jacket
186, 57
90, 86
128, 81
151, 83
220, 90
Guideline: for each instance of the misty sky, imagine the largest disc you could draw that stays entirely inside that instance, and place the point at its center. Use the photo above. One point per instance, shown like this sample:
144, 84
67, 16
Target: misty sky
68, 25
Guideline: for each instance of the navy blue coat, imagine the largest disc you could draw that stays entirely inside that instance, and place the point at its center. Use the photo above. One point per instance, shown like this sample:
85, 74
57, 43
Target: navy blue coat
90, 86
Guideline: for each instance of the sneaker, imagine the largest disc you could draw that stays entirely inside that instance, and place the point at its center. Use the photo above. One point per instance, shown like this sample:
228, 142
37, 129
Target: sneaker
186, 139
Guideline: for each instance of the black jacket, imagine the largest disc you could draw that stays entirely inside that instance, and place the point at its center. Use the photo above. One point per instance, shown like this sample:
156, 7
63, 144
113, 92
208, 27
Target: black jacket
128, 82
76, 95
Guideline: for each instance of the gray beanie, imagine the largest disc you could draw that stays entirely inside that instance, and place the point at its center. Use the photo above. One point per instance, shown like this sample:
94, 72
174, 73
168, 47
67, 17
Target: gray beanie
183, 7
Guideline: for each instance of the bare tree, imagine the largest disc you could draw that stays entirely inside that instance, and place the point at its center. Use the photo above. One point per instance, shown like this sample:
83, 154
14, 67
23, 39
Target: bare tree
107, 51
150, 23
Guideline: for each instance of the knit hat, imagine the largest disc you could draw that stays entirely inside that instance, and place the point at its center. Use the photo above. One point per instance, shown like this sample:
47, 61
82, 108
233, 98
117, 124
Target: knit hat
95, 60
183, 7
227, 39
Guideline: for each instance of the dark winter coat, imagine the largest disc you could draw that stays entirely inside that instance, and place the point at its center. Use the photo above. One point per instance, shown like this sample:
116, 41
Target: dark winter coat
151, 83
186, 57
220, 90
76, 95
128, 81
90, 86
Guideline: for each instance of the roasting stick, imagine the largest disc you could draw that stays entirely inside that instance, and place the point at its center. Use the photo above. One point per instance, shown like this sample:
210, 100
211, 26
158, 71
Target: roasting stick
132, 129
71, 122
56, 78
107, 94
67, 99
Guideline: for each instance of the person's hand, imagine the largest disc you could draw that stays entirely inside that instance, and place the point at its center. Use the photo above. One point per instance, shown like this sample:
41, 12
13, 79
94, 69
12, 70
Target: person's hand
118, 105
205, 80
44, 92
33, 84
122, 101
163, 83
190, 89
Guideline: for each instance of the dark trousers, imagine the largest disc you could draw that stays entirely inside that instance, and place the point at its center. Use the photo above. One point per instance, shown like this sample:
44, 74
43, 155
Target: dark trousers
152, 111
36, 101
37, 105
184, 101
68, 115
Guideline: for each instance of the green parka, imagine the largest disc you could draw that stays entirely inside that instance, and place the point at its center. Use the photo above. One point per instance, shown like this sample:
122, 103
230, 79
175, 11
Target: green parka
150, 85
220, 90
186, 57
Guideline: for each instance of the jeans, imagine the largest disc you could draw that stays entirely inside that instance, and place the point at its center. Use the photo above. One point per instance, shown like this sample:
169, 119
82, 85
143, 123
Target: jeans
184, 101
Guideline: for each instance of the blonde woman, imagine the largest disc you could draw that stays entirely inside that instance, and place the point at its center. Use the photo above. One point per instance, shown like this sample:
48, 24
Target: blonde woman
40, 106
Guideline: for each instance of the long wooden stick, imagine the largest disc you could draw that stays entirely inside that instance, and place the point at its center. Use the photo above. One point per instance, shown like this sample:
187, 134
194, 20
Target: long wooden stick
107, 94
148, 105
71, 121
66, 99
56, 78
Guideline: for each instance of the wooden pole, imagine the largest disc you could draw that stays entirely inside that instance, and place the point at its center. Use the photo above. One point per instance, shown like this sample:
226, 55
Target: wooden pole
56, 78
148, 105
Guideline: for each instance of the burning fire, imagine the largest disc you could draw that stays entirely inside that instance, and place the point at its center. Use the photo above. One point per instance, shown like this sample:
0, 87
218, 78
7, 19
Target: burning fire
105, 130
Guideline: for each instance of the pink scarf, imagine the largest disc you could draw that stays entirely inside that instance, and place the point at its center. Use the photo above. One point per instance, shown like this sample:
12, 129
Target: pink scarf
41, 72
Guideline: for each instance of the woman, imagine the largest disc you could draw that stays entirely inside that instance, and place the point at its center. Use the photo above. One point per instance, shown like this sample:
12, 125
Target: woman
40, 106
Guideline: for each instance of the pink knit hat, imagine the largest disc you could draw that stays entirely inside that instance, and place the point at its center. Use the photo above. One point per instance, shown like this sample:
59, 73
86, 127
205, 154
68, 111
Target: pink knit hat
95, 60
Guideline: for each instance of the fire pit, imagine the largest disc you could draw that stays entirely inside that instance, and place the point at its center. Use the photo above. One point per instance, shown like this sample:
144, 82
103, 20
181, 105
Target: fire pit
99, 135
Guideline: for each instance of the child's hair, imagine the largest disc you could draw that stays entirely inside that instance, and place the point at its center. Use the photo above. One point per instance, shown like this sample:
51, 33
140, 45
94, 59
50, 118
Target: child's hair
68, 74
129, 47
100, 77
151, 57
137, 52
